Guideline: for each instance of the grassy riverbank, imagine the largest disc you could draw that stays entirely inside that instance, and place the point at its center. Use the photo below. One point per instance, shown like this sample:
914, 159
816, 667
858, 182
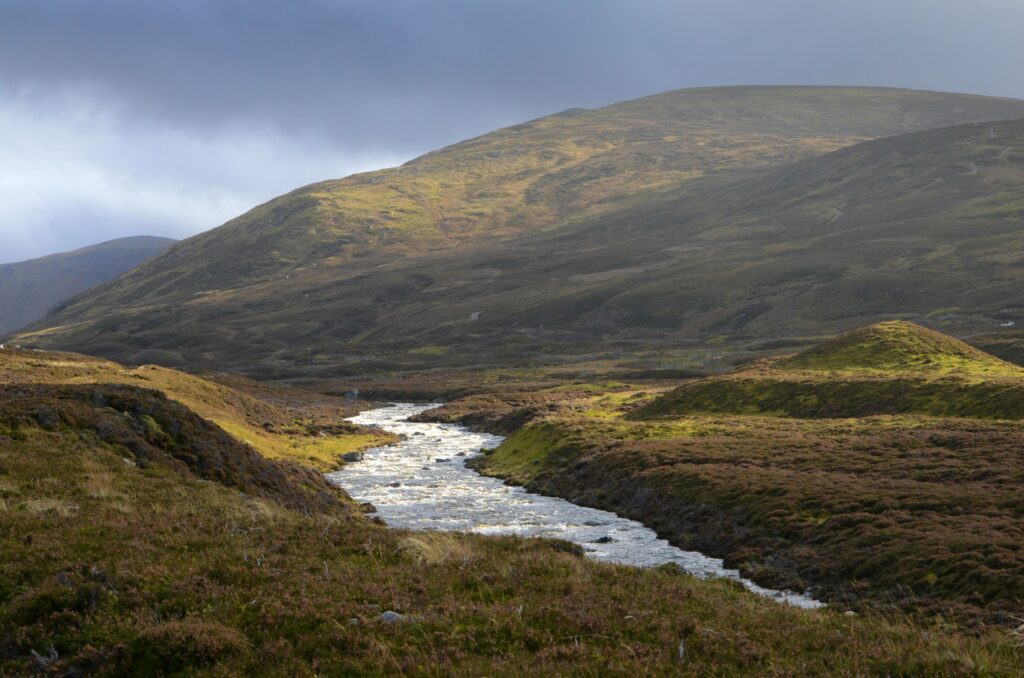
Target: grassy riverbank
888, 507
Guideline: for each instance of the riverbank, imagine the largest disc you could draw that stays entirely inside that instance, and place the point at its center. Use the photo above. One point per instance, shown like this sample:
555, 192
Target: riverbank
875, 514
425, 483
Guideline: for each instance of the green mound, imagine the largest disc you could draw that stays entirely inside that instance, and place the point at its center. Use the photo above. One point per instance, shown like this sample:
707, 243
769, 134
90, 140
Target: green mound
898, 346
888, 368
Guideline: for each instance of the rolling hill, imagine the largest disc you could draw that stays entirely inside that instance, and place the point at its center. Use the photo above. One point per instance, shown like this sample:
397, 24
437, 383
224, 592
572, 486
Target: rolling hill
726, 214
28, 289
890, 368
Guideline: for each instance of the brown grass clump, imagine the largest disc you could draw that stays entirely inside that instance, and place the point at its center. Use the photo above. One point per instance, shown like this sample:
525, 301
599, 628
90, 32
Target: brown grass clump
186, 643
59, 506
436, 548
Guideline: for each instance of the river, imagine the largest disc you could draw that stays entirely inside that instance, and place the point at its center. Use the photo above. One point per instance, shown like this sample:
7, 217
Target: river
422, 483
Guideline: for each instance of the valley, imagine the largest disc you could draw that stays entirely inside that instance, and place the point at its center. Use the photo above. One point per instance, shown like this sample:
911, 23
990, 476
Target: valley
720, 381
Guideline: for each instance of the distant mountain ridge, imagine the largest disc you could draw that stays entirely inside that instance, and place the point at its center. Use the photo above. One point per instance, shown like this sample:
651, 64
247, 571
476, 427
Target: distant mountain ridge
720, 213
28, 289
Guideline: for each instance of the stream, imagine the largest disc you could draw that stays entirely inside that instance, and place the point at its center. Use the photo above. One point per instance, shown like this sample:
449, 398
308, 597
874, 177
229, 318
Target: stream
422, 483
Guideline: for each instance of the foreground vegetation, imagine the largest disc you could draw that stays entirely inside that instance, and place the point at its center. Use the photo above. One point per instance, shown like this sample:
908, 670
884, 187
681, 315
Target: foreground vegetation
140, 539
142, 533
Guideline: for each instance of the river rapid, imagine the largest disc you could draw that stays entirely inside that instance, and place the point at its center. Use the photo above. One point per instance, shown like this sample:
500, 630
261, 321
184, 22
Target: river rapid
422, 483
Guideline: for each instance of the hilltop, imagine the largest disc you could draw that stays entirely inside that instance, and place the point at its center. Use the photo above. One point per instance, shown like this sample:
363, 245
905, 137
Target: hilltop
896, 347
889, 368
29, 289
696, 214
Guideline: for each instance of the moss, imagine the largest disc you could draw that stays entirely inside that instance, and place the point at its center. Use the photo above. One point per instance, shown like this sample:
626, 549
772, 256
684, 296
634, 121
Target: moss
898, 347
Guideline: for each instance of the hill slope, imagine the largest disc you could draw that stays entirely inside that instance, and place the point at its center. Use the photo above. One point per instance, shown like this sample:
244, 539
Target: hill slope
644, 219
889, 368
278, 423
28, 289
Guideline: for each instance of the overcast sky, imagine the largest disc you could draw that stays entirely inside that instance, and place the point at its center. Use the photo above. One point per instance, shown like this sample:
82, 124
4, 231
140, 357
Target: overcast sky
168, 118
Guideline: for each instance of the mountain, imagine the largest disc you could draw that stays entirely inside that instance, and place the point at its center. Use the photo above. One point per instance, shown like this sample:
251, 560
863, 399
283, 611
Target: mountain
890, 368
28, 289
697, 214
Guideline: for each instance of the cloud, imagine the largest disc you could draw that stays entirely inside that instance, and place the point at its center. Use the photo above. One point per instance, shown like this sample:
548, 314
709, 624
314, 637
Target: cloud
74, 172
122, 116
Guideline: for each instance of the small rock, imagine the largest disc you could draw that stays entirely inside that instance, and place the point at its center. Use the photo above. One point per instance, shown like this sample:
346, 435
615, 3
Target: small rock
594, 523
390, 617
354, 456
395, 484
128, 462
367, 507
42, 662
47, 418
682, 649
461, 454
442, 460
850, 613
353, 622
603, 540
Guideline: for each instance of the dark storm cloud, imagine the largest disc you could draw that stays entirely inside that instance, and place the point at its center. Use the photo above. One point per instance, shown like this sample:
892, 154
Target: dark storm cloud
172, 116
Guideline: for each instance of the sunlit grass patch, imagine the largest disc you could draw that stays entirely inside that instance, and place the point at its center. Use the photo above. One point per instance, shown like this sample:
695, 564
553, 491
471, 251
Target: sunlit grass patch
8, 488
50, 504
436, 548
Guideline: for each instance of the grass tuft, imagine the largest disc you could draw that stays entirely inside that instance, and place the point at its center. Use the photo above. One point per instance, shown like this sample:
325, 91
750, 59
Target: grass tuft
437, 548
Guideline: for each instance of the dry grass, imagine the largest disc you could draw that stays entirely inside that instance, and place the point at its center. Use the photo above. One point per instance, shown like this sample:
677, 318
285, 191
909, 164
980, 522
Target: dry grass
59, 506
98, 482
280, 423
436, 548
8, 487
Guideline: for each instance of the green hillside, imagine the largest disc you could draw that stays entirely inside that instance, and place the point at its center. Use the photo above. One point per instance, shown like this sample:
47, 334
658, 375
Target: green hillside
689, 215
896, 347
888, 368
